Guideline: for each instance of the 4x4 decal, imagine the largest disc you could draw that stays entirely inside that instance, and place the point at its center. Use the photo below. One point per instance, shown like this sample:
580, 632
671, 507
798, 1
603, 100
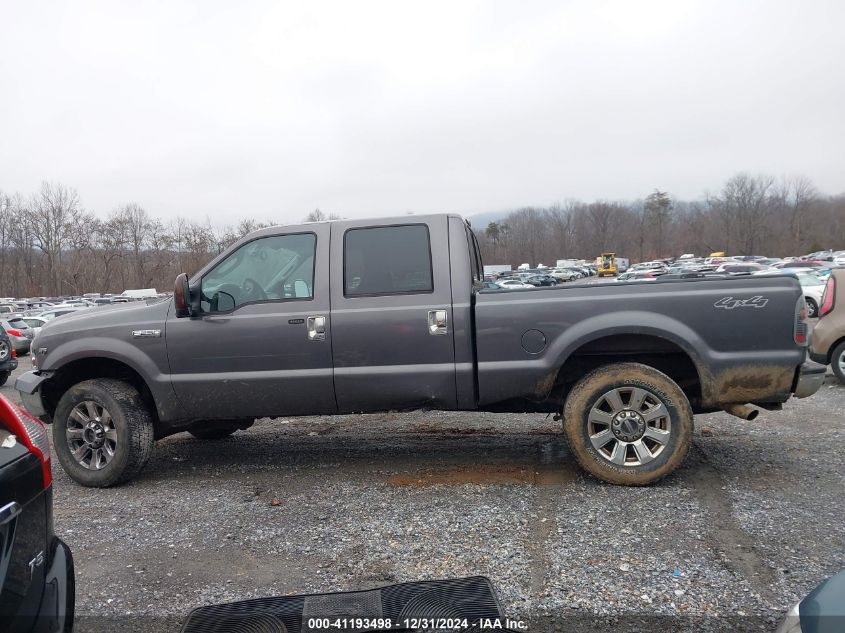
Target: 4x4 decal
729, 303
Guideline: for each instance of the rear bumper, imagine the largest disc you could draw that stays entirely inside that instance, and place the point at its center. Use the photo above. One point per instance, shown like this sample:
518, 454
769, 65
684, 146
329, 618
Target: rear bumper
29, 388
55, 610
9, 365
810, 378
59, 599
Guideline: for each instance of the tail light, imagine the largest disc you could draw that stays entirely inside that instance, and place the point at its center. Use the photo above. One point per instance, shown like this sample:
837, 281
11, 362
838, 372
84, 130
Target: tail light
829, 297
30, 431
800, 333
14, 332
14, 352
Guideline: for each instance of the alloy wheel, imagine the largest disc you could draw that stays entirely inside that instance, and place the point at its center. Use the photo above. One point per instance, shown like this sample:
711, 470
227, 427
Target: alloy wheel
91, 435
629, 426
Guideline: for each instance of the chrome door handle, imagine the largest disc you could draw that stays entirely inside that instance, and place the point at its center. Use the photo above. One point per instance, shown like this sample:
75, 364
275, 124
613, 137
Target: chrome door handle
437, 322
316, 328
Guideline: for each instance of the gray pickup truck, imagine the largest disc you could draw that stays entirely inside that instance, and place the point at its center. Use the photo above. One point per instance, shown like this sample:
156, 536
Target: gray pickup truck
376, 315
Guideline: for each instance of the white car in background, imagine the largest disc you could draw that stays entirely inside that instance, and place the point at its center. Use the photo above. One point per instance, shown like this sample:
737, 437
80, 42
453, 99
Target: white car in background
813, 288
57, 311
811, 285
35, 323
513, 284
563, 274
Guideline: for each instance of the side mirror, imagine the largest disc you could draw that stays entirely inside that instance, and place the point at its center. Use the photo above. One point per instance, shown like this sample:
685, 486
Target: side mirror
181, 296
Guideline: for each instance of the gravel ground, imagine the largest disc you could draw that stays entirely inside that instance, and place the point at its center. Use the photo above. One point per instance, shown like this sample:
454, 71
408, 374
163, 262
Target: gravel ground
743, 530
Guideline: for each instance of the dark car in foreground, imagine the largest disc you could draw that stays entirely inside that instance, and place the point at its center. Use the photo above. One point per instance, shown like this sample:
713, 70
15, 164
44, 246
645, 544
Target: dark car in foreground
36, 567
377, 315
8, 357
821, 611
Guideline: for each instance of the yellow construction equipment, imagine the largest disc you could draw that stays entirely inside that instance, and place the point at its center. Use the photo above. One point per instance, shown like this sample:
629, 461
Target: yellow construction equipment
607, 265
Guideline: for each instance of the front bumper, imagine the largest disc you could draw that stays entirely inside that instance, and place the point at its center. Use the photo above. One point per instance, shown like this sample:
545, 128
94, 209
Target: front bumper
810, 379
29, 388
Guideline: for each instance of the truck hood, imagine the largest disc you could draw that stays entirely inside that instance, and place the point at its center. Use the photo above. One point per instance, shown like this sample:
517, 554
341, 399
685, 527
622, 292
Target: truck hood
91, 320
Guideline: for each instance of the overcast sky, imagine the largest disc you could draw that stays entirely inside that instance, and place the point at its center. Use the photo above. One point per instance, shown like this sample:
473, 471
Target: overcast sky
223, 110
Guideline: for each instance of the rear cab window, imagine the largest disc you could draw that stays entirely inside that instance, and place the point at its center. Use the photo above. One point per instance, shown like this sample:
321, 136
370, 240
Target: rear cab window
387, 260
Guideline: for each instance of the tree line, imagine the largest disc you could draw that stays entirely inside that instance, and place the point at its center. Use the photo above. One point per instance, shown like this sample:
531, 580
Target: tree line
50, 245
750, 215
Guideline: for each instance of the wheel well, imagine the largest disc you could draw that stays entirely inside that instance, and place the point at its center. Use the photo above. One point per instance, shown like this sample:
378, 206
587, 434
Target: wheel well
660, 353
88, 368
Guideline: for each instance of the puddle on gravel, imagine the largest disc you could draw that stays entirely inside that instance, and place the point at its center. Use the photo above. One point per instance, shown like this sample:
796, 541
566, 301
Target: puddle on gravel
490, 474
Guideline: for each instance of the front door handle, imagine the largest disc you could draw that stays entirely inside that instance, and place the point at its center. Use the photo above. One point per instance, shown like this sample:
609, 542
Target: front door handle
437, 322
316, 328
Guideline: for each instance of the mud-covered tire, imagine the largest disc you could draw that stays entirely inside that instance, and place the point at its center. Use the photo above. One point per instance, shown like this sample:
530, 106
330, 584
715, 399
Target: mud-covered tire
837, 361
133, 428
4, 376
587, 408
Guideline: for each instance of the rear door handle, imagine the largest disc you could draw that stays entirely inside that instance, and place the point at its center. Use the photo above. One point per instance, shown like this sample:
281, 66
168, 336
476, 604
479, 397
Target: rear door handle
316, 328
438, 322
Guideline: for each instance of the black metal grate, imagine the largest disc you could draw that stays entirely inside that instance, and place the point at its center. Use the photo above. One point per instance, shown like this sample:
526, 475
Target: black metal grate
471, 598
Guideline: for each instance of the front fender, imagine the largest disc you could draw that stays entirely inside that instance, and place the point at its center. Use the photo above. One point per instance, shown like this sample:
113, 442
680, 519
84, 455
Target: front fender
146, 356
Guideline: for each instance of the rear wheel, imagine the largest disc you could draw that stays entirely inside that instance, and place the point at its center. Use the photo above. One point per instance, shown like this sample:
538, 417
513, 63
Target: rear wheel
628, 424
837, 361
812, 307
102, 432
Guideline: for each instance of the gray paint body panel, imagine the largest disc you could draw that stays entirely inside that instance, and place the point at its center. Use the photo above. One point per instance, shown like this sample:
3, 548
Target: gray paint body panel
379, 355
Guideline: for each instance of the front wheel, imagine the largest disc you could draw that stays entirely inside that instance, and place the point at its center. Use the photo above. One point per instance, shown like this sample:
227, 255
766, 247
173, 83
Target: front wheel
102, 432
628, 424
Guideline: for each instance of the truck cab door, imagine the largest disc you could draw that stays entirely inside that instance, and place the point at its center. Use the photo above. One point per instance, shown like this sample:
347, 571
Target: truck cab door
392, 332
259, 343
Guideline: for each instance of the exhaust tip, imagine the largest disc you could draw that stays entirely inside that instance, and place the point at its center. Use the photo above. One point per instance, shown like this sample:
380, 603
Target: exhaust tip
742, 411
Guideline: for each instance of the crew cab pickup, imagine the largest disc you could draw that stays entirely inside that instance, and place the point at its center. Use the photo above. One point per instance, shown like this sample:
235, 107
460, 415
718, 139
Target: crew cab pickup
375, 315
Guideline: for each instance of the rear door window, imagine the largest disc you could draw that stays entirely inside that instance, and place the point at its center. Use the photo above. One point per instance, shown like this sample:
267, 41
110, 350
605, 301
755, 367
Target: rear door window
387, 260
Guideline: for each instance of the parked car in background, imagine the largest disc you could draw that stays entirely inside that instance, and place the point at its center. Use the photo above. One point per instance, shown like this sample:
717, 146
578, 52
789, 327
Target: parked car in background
19, 333
563, 274
34, 323
739, 268
513, 284
490, 285
638, 275
8, 358
828, 341
36, 568
800, 263
813, 287
52, 313
100, 301
541, 280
